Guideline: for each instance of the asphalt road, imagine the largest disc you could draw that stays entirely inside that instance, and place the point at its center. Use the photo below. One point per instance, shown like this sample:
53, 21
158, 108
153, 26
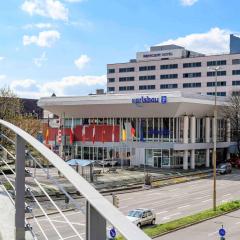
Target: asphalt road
170, 202
209, 230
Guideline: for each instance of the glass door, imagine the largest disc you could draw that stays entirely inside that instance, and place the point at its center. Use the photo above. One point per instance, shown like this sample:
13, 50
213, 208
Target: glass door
157, 158
165, 158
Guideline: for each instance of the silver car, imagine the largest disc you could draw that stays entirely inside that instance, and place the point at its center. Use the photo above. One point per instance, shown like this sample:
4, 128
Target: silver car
224, 168
142, 216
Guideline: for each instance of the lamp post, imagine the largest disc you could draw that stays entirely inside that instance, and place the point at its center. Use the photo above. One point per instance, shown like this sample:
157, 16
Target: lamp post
214, 157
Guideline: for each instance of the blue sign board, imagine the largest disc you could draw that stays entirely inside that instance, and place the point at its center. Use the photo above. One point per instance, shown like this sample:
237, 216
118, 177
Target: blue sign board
163, 99
222, 232
113, 233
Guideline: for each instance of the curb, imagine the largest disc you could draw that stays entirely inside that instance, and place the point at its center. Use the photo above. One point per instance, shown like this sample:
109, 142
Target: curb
192, 224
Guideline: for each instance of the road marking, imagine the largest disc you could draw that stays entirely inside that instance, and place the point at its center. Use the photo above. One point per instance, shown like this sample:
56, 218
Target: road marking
169, 216
184, 206
124, 207
207, 200
237, 223
213, 233
197, 198
174, 189
161, 212
226, 200
126, 199
226, 195
58, 221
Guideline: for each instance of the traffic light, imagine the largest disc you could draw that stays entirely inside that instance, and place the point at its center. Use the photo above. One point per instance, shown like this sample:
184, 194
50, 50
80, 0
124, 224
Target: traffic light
115, 200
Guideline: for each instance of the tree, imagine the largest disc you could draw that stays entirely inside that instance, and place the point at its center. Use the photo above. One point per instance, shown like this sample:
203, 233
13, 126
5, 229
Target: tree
231, 111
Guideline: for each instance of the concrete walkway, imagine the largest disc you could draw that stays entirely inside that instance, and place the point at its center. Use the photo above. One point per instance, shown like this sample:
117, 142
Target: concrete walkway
7, 229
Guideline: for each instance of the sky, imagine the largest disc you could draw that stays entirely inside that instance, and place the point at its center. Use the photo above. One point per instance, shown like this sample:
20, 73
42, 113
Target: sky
63, 46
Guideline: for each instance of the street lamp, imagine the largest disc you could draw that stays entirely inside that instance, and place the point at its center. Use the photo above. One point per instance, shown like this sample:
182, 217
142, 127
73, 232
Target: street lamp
214, 157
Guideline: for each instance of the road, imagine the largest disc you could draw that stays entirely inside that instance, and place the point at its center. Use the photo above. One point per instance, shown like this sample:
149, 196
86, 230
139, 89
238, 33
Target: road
209, 230
170, 202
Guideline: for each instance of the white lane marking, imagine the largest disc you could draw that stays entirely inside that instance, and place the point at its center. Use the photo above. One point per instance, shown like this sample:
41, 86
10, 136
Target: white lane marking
197, 198
161, 212
58, 221
237, 223
169, 216
174, 189
207, 200
229, 194
124, 207
226, 200
184, 206
126, 199
213, 233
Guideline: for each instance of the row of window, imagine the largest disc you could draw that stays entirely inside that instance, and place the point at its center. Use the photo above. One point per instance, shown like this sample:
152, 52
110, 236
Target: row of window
174, 66
219, 94
174, 76
174, 85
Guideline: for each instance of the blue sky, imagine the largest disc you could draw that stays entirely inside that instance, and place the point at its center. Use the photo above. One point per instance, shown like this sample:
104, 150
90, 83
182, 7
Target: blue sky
63, 46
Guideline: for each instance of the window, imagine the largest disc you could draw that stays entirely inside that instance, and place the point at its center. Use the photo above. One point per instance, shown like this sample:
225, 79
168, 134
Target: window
235, 72
149, 77
191, 75
236, 83
169, 66
236, 93
147, 68
236, 61
126, 88
168, 86
126, 79
219, 84
146, 87
219, 94
193, 64
168, 76
111, 70
219, 73
131, 69
111, 80
216, 63
111, 89
191, 85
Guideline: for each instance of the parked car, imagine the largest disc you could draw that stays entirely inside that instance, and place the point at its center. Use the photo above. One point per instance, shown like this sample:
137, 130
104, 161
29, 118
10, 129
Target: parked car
224, 168
142, 216
108, 162
235, 161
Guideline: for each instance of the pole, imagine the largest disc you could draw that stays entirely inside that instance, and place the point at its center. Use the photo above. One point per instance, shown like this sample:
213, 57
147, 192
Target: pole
215, 142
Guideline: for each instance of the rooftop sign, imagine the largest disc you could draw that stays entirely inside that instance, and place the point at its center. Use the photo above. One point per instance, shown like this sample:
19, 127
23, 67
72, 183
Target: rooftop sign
147, 99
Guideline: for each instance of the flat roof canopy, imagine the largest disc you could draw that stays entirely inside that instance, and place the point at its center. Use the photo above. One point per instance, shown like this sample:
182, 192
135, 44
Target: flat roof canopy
132, 105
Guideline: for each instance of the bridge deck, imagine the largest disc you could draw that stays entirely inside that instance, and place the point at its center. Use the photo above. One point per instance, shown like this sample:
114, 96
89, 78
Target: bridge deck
7, 230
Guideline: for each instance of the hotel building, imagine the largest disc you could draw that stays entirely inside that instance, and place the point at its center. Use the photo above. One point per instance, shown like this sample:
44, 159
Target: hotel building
172, 67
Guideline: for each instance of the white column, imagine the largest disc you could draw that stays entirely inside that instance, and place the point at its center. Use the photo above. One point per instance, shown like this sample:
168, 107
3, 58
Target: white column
193, 129
228, 131
185, 160
185, 129
207, 158
207, 130
193, 159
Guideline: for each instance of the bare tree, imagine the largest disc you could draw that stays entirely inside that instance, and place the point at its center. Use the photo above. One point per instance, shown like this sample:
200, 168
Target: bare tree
232, 112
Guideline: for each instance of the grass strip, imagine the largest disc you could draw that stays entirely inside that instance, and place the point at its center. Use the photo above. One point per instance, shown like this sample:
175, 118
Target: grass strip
158, 229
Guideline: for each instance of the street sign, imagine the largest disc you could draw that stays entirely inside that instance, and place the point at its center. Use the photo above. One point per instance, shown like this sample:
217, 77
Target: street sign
163, 99
113, 232
222, 232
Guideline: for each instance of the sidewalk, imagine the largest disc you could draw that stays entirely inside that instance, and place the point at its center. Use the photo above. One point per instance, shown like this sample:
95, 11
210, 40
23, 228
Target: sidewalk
7, 230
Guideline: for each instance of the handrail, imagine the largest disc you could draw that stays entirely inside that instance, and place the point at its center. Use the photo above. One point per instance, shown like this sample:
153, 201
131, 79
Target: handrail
97, 201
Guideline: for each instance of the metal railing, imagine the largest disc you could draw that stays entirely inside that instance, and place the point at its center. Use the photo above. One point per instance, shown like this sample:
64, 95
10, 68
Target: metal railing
97, 209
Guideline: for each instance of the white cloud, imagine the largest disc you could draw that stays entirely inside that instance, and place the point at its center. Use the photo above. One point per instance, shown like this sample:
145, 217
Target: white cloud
32, 89
74, 1
39, 25
82, 61
53, 9
188, 2
214, 41
44, 39
2, 58
2, 77
39, 61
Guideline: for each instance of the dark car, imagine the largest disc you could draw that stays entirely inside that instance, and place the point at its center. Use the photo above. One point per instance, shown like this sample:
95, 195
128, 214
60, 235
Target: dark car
224, 168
